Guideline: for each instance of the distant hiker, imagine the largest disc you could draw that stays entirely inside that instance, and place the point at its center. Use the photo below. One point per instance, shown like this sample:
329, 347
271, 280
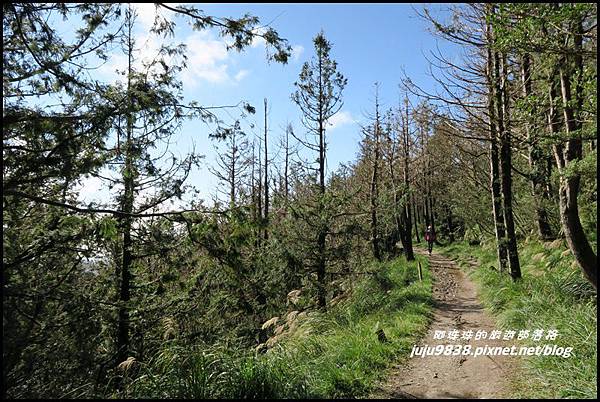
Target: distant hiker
429, 237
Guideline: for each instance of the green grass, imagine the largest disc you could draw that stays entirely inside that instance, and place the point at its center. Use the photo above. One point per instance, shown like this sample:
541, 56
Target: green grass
553, 294
335, 354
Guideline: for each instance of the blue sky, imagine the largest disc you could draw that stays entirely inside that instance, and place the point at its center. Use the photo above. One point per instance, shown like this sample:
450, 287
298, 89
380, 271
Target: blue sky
370, 42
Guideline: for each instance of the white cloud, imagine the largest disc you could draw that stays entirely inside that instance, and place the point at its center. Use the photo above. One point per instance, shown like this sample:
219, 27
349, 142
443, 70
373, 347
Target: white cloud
209, 60
146, 13
147, 45
207, 56
241, 74
116, 61
90, 189
258, 40
340, 119
206, 59
147, 48
297, 51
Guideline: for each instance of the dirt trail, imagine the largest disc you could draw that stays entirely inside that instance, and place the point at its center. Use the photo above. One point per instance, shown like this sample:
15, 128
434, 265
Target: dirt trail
456, 307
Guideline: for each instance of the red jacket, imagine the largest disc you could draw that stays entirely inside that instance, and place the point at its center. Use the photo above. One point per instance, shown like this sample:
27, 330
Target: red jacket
429, 235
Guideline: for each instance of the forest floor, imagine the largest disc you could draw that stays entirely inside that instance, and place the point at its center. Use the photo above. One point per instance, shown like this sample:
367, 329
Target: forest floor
456, 307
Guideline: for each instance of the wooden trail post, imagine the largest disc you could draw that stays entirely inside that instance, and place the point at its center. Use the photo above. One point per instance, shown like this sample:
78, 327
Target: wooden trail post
420, 272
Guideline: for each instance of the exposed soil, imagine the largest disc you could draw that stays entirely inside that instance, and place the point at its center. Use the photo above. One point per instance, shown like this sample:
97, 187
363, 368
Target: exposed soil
456, 307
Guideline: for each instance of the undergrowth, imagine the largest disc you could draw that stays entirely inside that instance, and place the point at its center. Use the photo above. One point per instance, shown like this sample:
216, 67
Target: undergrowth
332, 354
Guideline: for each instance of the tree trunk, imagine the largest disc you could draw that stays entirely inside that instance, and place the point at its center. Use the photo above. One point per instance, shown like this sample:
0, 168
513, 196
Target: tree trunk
494, 160
125, 223
254, 197
232, 171
416, 218
396, 208
449, 223
259, 195
565, 155
539, 175
286, 167
424, 192
431, 206
429, 216
373, 195
506, 165
408, 248
266, 178
497, 204
322, 231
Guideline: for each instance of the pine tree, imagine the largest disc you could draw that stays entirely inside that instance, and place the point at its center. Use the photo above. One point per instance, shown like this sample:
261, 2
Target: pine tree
319, 96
